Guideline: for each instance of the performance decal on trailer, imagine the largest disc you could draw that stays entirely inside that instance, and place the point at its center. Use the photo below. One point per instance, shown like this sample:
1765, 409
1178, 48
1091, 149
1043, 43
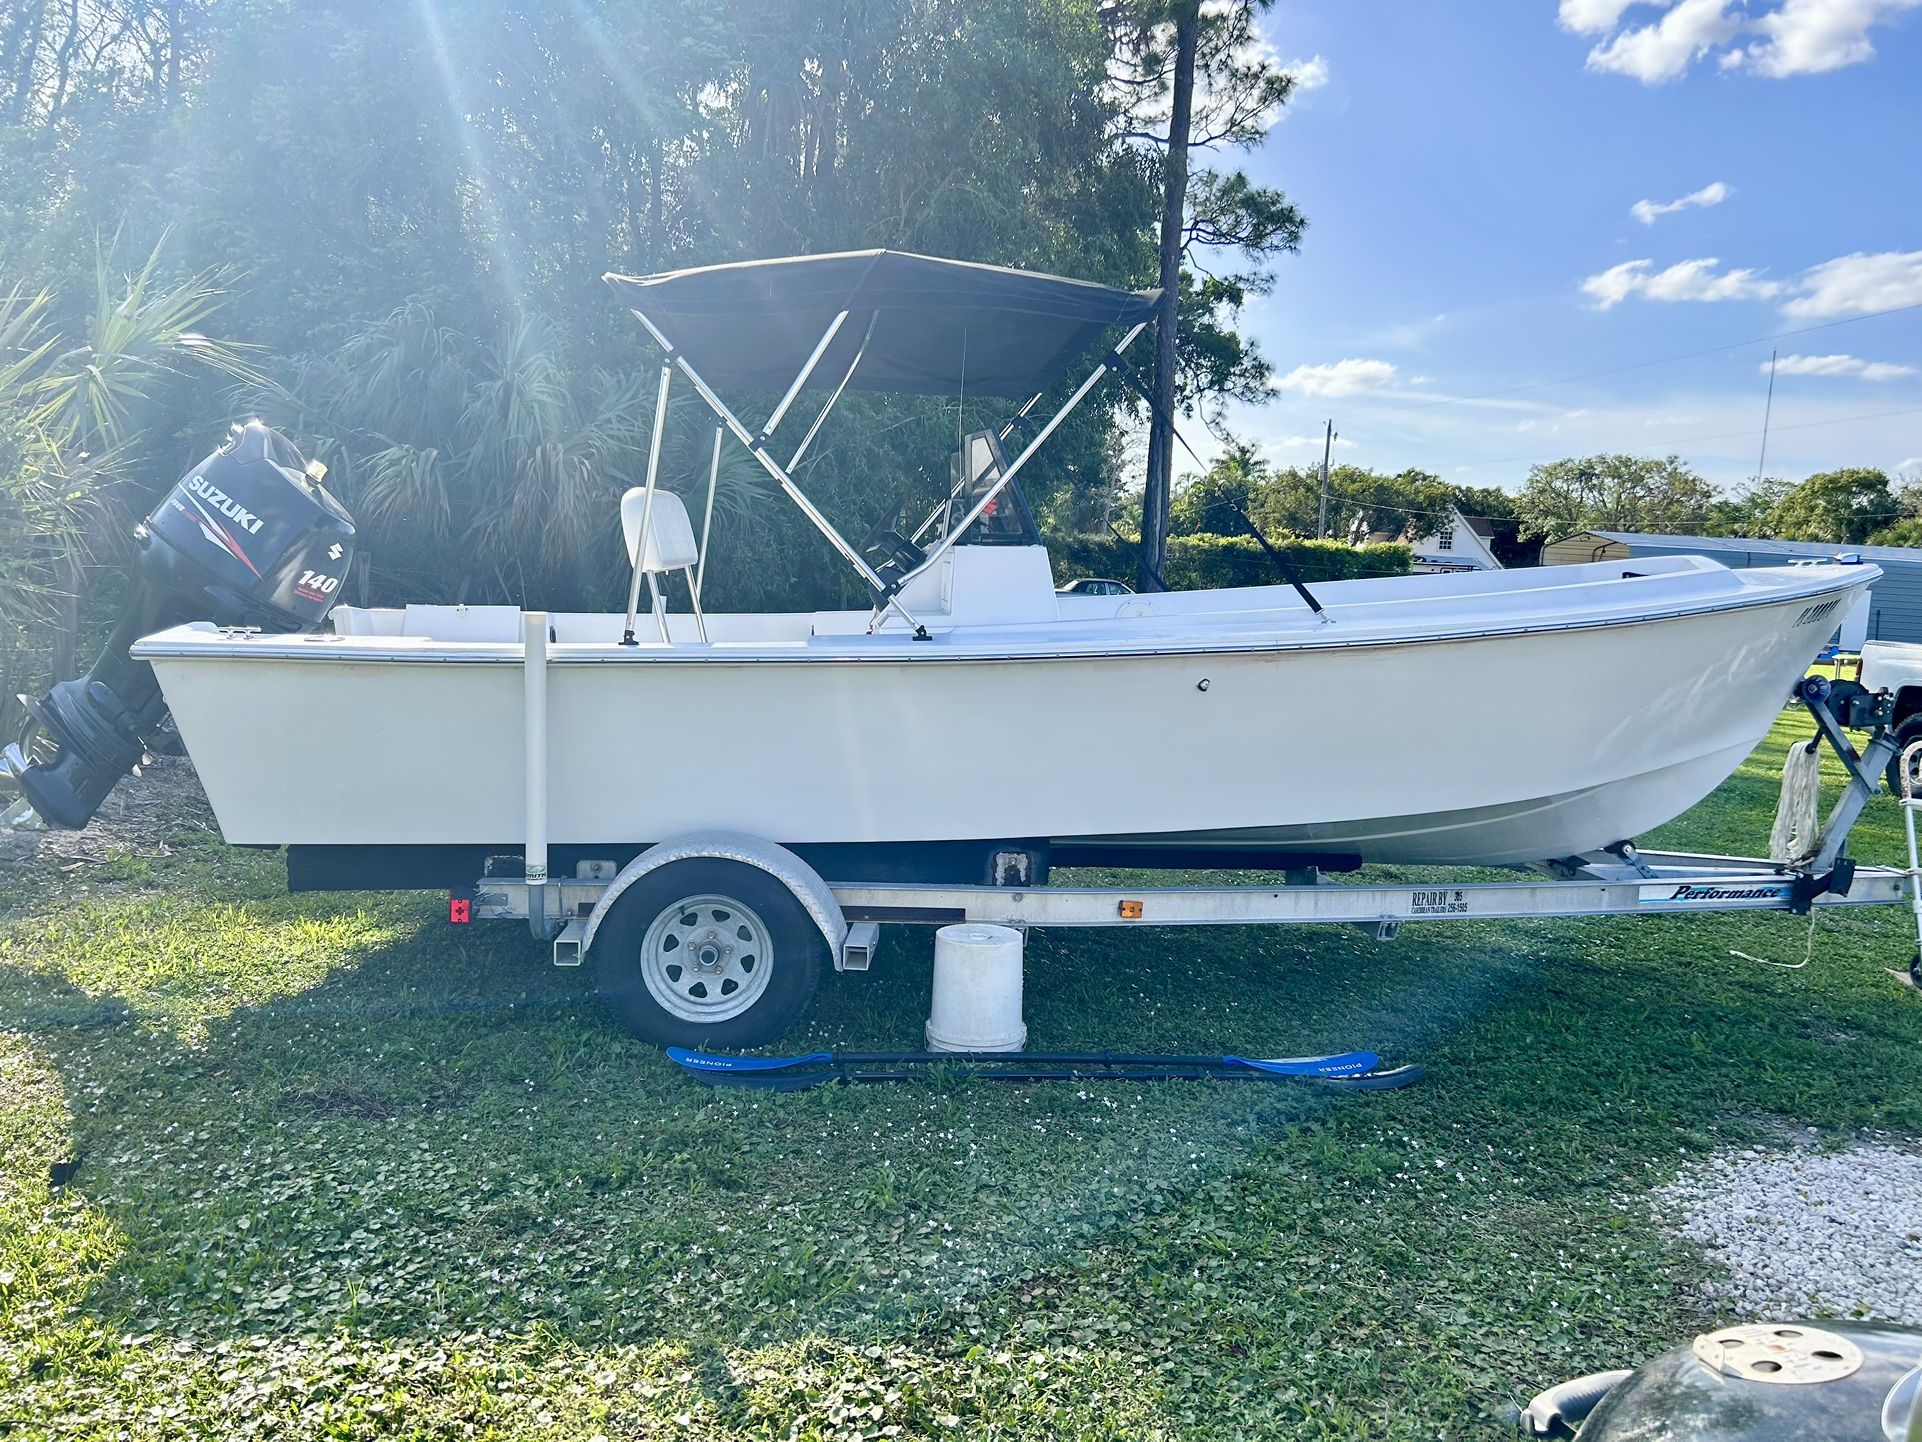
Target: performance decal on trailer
1671, 893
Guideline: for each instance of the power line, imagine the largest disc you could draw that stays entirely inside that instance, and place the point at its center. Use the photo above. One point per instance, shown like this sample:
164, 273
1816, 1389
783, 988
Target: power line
1645, 364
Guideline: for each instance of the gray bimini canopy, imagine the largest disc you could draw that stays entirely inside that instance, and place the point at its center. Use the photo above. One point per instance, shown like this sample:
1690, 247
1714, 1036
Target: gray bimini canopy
930, 327
920, 326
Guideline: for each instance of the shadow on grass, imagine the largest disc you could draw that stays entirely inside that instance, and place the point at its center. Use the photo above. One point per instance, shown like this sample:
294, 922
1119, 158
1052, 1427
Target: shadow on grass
436, 1133
418, 1132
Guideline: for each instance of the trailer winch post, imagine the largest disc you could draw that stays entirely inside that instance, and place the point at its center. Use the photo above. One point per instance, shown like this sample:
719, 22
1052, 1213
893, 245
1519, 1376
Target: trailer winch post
1859, 709
534, 765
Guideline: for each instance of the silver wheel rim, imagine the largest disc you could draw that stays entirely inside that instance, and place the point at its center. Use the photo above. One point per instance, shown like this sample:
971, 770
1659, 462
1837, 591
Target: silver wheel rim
706, 959
1910, 767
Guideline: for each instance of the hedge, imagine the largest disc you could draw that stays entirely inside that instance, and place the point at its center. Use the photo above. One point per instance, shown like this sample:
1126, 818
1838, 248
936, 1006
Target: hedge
1195, 562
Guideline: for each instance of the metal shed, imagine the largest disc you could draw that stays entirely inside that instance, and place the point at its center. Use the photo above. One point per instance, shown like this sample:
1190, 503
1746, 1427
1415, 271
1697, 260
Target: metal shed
1895, 605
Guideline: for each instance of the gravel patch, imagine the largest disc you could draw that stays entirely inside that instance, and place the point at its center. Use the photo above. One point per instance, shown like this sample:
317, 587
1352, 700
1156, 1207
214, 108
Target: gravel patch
1808, 1233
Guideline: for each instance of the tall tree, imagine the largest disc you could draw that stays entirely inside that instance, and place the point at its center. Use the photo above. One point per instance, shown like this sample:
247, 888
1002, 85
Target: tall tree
1220, 88
1158, 491
1614, 493
1843, 506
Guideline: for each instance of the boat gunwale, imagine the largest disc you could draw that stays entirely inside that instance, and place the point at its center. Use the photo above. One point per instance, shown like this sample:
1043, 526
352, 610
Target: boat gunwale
318, 647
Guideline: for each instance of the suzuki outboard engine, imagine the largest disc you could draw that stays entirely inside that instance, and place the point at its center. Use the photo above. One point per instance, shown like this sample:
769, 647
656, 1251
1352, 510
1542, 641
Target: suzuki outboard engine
247, 538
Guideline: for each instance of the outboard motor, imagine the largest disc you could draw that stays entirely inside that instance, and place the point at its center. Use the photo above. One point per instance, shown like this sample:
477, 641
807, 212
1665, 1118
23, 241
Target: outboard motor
247, 538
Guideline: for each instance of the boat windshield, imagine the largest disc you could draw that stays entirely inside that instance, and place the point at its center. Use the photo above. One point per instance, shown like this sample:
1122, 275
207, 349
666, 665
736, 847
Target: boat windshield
975, 471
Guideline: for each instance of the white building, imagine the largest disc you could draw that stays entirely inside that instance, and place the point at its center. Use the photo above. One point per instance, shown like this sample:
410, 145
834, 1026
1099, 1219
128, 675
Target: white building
1457, 543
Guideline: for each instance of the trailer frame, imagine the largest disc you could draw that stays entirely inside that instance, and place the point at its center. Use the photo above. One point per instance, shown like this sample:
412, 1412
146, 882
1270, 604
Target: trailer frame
1619, 881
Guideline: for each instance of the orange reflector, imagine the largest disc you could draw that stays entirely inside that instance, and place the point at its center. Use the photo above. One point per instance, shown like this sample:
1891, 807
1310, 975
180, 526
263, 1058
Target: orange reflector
1131, 911
460, 910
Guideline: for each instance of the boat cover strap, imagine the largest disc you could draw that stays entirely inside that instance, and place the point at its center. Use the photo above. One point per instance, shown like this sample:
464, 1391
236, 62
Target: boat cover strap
939, 327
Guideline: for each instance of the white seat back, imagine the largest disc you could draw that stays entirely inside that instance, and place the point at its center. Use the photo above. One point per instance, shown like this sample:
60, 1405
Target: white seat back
670, 537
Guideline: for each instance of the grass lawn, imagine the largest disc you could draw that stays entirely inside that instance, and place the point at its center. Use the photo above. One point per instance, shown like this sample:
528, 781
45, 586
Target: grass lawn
344, 1172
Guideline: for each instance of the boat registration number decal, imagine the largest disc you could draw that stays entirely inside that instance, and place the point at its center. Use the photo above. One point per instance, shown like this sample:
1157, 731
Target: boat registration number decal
1689, 893
1820, 611
1438, 903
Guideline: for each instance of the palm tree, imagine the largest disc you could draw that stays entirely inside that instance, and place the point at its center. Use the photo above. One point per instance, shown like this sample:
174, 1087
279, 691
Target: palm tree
70, 431
491, 469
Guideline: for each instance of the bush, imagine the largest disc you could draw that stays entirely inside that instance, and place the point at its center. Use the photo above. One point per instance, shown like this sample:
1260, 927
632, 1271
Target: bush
1204, 561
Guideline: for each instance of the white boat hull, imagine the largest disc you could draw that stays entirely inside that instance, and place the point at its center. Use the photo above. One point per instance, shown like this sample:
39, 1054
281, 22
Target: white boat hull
1511, 743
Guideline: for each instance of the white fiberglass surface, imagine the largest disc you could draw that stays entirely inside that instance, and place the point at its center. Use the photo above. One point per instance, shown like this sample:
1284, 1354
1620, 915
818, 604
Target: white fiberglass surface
1371, 611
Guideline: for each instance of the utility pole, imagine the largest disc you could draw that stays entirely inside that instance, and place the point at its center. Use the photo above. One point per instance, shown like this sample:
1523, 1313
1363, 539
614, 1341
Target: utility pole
1768, 409
1321, 518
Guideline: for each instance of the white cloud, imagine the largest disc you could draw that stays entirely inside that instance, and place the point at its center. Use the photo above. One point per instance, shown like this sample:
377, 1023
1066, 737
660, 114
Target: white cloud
1337, 378
1593, 17
1713, 193
1913, 463
1809, 37
1857, 284
1796, 37
1849, 285
1685, 280
1839, 365
1664, 50
1309, 74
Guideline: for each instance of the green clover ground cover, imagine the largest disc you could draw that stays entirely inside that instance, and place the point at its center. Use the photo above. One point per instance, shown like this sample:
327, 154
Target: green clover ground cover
346, 1172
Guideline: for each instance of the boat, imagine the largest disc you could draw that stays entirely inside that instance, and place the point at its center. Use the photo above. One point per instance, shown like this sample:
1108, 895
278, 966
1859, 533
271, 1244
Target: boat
1488, 718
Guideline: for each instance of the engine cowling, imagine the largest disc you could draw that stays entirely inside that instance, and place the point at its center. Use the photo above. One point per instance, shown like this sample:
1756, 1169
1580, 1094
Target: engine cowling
249, 537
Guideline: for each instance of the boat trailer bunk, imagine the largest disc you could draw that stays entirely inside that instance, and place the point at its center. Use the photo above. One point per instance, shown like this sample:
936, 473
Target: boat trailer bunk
1621, 881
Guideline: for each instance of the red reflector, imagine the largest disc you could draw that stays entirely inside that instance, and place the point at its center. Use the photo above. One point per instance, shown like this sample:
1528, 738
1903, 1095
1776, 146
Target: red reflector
460, 910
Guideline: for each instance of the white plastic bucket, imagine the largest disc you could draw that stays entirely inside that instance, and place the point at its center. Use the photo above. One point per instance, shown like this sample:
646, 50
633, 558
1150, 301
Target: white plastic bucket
977, 990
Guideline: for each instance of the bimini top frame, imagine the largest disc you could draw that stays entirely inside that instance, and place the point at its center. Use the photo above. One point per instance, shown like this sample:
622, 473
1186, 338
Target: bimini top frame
876, 320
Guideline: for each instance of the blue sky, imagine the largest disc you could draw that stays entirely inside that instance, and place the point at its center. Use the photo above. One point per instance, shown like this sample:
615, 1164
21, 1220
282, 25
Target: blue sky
1471, 171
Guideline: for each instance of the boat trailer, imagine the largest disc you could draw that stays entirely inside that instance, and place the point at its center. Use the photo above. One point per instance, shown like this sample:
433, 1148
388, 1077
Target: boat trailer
1621, 881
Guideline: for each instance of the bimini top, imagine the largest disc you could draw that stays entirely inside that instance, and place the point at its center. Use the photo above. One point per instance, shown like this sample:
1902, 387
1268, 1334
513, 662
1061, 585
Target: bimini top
930, 327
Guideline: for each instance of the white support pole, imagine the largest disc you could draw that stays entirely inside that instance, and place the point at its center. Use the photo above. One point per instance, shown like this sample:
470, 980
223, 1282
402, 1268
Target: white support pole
820, 349
647, 506
694, 593
707, 520
534, 762
848, 375
773, 467
660, 610
974, 514
1909, 808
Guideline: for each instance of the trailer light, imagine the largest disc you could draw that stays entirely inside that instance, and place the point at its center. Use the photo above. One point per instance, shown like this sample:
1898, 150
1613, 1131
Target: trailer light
1131, 911
460, 910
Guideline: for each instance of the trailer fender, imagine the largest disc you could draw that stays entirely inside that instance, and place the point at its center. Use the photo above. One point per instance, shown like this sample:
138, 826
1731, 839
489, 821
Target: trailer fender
777, 861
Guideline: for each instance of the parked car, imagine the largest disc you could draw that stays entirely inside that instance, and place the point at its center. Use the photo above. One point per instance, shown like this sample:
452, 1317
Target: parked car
1094, 586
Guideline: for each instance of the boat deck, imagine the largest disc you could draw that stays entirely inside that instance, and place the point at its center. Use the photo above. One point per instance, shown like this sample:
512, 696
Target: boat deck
1375, 611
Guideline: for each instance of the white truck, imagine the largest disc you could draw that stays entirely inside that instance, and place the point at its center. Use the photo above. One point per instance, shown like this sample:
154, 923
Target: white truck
1896, 667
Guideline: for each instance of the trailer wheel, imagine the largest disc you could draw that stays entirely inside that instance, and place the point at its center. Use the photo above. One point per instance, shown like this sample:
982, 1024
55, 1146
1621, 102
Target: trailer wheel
707, 952
1905, 767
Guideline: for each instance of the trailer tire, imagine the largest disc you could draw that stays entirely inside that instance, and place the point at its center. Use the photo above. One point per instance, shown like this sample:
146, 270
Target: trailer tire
708, 953
1905, 767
